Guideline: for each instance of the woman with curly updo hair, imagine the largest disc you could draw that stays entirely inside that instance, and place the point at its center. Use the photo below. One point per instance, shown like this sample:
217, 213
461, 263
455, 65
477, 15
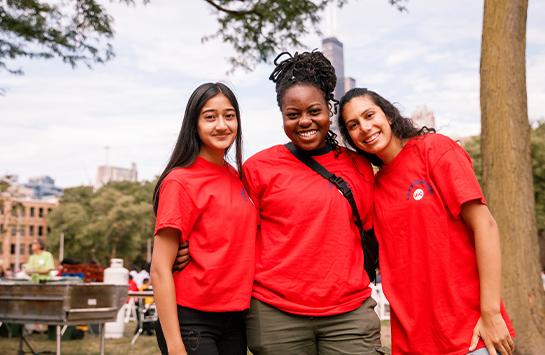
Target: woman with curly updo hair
310, 293
440, 253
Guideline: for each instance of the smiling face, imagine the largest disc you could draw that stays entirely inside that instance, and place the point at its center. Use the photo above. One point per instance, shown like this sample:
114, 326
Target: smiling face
217, 128
306, 116
370, 128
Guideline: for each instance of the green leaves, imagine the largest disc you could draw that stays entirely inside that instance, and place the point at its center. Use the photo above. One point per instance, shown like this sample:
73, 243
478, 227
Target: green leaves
74, 30
69, 29
115, 221
537, 145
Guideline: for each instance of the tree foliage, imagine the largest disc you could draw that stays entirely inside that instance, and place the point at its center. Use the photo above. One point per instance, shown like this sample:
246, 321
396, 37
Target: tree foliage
473, 147
114, 221
75, 30
259, 29
69, 29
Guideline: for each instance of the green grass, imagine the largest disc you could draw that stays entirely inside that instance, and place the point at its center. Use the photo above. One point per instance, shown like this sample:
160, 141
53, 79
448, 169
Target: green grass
87, 346
145, 345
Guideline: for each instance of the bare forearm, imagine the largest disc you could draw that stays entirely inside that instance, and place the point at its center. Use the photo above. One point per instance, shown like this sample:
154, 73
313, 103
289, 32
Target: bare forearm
487, 246
164, 253
165, 300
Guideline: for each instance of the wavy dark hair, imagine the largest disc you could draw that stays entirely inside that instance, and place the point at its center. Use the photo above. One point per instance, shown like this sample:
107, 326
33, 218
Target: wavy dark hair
402, 127
307, 68
188, 145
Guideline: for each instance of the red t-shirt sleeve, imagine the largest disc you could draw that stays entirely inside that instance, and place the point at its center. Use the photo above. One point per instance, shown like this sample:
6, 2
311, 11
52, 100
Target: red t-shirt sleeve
176, 209
455, 179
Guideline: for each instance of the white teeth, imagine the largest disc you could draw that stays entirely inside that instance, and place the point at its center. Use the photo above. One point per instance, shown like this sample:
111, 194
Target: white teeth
308, 133
371, 138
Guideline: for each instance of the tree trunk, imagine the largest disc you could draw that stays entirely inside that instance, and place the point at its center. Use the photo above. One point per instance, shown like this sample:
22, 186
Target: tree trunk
507, 169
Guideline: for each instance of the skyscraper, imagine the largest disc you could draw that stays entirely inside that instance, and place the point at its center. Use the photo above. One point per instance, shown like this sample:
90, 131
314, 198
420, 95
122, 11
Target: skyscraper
333, 50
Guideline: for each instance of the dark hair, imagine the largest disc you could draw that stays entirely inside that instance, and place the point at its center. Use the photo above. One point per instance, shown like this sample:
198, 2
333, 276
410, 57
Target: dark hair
188, 145
43, 244
402, 127
308, 68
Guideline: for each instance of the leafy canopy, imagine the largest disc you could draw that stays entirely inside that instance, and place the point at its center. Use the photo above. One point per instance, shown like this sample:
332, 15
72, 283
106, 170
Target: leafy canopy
114, 221
74, 30
537, 145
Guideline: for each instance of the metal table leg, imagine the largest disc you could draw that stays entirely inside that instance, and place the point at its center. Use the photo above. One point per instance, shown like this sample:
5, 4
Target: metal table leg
102, 337
140, 322
59, 340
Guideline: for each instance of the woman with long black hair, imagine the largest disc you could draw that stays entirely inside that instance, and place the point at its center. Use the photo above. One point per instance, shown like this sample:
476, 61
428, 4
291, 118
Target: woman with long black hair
200, 197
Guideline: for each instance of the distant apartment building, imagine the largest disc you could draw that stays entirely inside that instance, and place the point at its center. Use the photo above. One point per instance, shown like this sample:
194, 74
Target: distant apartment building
24, 216
43, 186
423, 117
108, 173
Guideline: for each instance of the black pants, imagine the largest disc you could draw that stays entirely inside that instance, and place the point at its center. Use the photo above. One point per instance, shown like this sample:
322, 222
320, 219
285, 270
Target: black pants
208, 333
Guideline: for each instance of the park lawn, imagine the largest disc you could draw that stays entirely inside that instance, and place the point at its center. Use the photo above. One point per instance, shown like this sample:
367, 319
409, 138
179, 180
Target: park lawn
87, 346
145, 345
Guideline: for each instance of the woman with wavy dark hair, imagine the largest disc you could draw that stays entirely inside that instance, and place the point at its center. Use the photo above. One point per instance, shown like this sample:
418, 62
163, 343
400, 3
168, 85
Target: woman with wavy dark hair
439, 245
311, 294
200, 197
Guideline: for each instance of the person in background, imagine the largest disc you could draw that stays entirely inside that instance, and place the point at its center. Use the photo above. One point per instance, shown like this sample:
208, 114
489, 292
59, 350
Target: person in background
2, 272
543, 276
379, 277
39, 267
40, 263
132, 286
146, 286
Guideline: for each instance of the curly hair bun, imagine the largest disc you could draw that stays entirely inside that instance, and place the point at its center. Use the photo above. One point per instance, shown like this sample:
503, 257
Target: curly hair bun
307, 68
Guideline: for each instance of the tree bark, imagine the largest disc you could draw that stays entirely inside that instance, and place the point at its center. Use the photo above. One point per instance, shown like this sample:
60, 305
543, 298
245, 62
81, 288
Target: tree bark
507, 169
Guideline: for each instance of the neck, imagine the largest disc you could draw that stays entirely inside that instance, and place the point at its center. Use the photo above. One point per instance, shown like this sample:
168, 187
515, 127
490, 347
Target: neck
39, 252
391, 151
215, 157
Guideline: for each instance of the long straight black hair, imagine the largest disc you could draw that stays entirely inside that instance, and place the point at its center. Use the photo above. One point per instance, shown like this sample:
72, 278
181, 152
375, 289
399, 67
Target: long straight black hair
188, 145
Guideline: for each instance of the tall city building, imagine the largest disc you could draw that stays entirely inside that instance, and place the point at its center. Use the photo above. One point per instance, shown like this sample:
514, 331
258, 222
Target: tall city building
108, 173
333, 50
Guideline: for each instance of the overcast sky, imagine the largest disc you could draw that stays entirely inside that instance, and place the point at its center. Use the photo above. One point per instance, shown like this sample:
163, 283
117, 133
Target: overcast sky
56, 120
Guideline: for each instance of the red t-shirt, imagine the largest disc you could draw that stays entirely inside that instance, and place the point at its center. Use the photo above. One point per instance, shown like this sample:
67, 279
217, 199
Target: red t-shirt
132, 287
211, 208
309, 259
427, 252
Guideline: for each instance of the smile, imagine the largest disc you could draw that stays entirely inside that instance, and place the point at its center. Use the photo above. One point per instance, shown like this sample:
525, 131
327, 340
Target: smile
372, 139
308, 133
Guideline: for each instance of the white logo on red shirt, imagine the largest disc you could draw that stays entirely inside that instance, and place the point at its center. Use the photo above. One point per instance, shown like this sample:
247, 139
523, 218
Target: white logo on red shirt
418, 194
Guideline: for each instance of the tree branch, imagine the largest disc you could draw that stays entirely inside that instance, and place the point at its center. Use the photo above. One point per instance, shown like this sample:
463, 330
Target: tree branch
234, 12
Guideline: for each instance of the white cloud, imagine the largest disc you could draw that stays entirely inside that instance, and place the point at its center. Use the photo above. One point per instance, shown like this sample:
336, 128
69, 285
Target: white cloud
56, 120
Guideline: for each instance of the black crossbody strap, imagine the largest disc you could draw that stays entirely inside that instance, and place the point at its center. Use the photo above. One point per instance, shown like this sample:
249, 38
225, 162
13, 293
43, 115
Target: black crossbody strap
335, 180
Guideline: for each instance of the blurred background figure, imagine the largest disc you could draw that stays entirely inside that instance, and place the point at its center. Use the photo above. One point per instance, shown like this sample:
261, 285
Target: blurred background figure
40, 263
